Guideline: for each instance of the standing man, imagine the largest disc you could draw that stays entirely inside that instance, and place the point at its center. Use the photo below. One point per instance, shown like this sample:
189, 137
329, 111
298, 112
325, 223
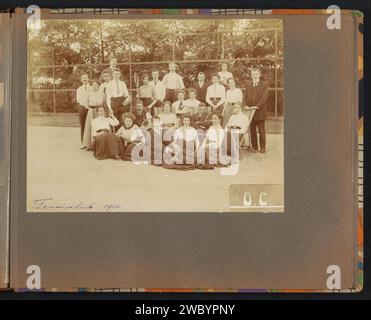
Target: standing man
106, 79
215, 95
82, 103
256, 97
110, 69
173, 82
200, 87
159, 89
117, 96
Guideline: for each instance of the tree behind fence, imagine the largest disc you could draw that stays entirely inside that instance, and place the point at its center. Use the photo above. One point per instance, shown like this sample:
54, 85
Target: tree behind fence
63, 50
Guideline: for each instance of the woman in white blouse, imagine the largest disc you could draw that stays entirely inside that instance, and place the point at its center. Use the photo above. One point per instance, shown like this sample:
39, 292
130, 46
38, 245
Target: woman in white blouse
181, 153
105, 143
95, 99
233, 97
168, 118
224, 74
214, 148
131, 137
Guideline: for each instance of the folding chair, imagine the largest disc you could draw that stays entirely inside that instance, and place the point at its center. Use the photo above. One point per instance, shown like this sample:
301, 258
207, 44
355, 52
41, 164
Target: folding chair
246, 135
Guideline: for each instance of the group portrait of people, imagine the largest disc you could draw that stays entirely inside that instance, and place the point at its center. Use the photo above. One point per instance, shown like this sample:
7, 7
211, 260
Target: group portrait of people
170, 125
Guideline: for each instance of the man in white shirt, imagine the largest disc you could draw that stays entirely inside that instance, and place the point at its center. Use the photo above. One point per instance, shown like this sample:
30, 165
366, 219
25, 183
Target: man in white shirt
172, 82
110, 69
215, 95
117, 96
82, 103
159, 88
106, 79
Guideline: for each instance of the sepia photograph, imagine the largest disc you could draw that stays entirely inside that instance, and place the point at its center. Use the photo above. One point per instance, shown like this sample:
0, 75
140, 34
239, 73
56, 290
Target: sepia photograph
155, 115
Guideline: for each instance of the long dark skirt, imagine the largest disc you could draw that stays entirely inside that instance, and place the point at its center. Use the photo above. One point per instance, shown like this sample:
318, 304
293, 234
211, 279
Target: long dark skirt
215, 158
183, 159
127, 152
106, 146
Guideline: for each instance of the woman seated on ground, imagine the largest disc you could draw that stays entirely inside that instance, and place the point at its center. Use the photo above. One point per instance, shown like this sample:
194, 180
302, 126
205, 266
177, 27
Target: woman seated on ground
105, 143
131, 136
182, 152
154, 140
147, 94
213, 150
96, 99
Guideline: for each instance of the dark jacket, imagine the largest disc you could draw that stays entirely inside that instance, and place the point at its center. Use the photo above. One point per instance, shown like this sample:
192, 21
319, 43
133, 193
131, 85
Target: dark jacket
201, 121
200, 92
139, 118
257, 96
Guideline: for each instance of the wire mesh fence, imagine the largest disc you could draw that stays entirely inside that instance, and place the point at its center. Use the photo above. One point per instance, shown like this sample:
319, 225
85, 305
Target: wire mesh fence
54, 78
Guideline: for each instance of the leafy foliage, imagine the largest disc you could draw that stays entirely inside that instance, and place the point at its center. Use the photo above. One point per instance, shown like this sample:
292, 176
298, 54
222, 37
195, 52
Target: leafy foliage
84, 46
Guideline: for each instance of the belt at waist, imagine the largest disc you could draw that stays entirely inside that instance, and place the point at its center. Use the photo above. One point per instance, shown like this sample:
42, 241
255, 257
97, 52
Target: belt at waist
102, 131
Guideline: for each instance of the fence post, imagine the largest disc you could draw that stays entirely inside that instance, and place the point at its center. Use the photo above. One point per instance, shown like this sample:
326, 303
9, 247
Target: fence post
54, 88
222, 34
173, 48
275, 75
90, 63
130, 79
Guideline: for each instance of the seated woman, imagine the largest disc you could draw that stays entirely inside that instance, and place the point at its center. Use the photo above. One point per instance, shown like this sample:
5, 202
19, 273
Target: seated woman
131, 136
105, 143
238, 123
181, 154
169, 122
96, 98
168, 118
233, 97
192, 104
147, 94
154, 140
213, 151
